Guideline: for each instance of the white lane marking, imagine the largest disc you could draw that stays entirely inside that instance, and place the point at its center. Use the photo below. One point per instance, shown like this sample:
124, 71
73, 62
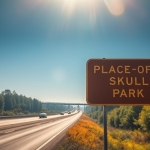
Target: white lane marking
9, 131
53, 137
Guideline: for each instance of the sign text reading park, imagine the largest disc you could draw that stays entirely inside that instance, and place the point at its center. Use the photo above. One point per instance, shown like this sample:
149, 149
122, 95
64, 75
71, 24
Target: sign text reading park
118, 81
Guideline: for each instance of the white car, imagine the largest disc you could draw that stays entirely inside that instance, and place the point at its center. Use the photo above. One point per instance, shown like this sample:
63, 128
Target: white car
42, 115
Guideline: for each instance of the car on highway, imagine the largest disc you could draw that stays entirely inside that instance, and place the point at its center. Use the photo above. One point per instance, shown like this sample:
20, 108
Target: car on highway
42, 115
69, 112
61, 113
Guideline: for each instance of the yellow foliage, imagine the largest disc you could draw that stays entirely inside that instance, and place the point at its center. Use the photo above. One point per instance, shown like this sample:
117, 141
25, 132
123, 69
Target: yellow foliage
85, 132
87, 135
133, 142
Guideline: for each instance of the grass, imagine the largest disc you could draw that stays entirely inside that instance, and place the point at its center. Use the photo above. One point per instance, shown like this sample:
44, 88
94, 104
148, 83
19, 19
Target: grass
87, 135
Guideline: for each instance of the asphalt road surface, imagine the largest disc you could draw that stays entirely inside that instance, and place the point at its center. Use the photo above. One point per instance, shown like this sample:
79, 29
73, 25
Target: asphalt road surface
34, 133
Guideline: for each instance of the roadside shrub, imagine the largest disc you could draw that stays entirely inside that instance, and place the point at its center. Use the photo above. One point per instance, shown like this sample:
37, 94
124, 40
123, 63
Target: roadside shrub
7, 113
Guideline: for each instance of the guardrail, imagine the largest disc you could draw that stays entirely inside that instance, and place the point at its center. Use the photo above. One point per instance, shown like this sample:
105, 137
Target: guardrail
17, 116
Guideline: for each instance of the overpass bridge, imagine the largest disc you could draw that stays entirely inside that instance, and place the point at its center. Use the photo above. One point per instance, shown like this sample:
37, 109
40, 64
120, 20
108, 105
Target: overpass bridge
51, 105
62, 103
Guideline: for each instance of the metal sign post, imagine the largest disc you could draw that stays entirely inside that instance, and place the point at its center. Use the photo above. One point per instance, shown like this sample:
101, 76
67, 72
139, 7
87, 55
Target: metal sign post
105, 126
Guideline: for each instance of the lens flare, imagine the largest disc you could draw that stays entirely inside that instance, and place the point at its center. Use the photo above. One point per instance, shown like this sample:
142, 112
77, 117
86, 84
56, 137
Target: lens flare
58, 75
115, 7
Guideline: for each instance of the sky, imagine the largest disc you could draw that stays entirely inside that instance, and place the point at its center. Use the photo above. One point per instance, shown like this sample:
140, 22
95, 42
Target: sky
45, 44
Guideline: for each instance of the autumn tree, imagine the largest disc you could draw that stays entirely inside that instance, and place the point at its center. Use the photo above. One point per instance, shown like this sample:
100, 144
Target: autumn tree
144, 118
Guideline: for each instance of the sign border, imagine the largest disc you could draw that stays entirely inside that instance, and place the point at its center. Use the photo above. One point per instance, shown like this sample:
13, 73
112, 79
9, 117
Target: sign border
111, 104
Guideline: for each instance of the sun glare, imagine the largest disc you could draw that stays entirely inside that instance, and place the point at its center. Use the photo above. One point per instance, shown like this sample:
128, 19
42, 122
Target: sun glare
91, 7
88, 8
115, 7
88, 12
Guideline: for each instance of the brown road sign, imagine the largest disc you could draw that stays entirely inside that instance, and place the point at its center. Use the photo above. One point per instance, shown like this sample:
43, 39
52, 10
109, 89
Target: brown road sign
118, 82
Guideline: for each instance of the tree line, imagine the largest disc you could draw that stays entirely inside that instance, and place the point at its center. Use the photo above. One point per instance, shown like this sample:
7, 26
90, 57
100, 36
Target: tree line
11, 103
124, 117
18, 103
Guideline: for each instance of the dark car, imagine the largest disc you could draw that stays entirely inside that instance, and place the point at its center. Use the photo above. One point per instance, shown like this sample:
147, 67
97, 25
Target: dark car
61, 113
69, 112
42, 115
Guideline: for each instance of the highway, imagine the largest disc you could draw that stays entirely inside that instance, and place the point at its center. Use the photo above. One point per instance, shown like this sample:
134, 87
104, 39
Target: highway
34, 133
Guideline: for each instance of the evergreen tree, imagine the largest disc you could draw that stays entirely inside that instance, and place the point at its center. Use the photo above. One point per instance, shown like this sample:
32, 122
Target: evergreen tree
8, 102
1, 103
17, 99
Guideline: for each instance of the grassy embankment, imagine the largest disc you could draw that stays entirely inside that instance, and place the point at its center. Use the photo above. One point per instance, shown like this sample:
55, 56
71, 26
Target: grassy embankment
87, 135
